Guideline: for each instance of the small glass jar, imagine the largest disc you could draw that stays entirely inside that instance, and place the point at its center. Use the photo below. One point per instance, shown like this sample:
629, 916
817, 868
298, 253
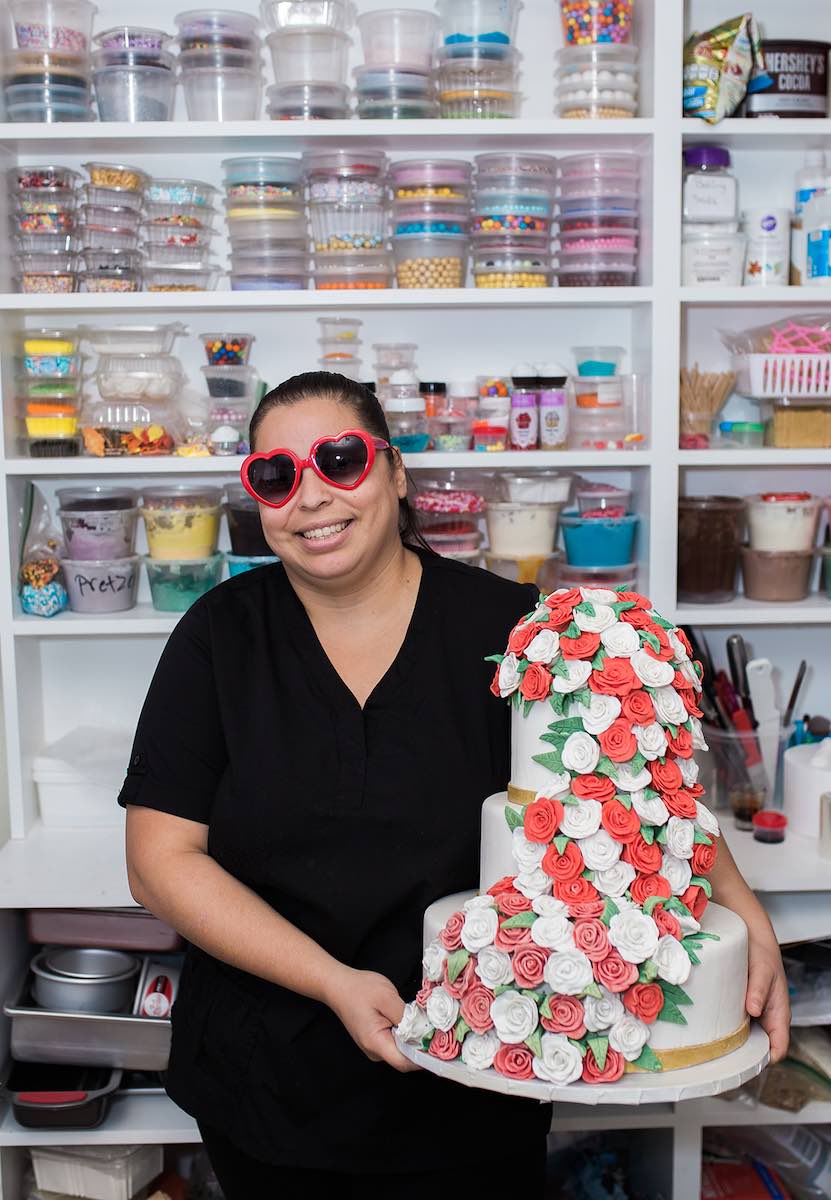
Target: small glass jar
525, 415
553, 414
407, 421
710, 190
435, 398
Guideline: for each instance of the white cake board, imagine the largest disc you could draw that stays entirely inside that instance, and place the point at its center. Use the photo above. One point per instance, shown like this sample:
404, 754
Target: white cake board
640, 1087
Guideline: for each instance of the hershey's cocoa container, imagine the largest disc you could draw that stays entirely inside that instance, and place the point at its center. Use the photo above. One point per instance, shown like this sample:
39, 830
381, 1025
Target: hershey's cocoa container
799, 74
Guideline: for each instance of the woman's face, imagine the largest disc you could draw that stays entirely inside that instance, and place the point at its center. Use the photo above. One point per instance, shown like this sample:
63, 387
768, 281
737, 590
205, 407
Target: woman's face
326, 532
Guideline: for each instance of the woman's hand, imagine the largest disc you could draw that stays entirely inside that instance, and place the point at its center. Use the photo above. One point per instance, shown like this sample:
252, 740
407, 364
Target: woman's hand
369, 1006
767, 988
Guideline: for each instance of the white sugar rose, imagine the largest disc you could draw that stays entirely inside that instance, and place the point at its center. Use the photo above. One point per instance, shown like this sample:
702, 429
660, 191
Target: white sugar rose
689, 672
494, 967
628, 780
679, 650
568, 972
483, 901
697, 732
602, 618
706, 819
414, 1024
579, 671
672, 960
669, 707
599, 1012
689, 771
620, 640
509, 677
527, 855
442, 1009
600, 850
480, 1049
615, 880
624, 904
433, 960
677, 872
582, 819
651, 739
599, 714
599, 595
515, 1017
560, 1062
634, 935
687, 924
479, 928
628, 1036
545, 647
549, 906
680, 837
651, 671
553, 933
533, 884
559, 782
581, 753
650, 809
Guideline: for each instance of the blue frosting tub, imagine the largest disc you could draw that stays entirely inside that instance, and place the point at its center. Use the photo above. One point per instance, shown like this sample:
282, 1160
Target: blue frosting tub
599, 541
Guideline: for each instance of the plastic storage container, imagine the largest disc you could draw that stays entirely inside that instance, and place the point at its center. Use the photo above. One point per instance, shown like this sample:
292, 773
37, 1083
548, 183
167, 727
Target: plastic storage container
263, 176
135, 93
431, 260
221, 94
371, 269
284, 14
709, 536
352, 226
308, 102
176, 582
132, 339
181, 521
105, 586
231, 382
311, 54
97, 1172
776, 575
430, 179
407, 423
598, 541
276, 219
782, 520
511, 264
239, 563
395, 36
244, 525
489, 24
159, 278
53, 24
478, 86
139, 377
200, 28
522, 530
346, 176
569, 576
586, 21
99, 535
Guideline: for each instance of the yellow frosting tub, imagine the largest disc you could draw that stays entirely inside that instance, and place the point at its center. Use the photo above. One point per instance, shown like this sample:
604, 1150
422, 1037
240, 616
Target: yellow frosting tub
182, 521
51, 420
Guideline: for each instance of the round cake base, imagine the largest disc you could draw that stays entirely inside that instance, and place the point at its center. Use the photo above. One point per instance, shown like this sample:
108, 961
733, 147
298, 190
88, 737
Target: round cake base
661, 1087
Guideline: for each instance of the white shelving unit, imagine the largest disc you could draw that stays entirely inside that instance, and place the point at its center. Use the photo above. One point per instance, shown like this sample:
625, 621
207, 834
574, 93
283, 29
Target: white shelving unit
75, 669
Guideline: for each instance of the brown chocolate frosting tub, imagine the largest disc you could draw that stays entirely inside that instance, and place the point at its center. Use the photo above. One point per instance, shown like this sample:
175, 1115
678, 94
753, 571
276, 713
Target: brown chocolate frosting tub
799, 74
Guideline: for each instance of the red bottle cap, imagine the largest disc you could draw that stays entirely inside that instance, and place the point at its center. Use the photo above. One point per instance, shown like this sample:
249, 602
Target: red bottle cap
768, 818
785, 497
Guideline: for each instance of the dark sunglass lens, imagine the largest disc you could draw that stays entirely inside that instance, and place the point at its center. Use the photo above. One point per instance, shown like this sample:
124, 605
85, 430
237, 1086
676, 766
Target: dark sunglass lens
344, 461
272, 478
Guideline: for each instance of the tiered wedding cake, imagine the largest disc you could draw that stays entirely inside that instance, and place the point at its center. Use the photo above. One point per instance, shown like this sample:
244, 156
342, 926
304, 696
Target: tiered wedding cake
588, 951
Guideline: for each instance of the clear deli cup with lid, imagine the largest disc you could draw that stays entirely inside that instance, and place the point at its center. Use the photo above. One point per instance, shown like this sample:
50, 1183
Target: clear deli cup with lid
541, 167
517, 529
782, 520
182, 520
430, 179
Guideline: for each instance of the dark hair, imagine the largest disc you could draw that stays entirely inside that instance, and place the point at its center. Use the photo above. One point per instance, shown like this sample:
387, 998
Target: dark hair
327, 385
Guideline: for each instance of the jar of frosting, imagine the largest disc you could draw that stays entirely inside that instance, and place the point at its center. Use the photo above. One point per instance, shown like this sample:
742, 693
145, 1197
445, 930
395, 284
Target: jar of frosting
782, 520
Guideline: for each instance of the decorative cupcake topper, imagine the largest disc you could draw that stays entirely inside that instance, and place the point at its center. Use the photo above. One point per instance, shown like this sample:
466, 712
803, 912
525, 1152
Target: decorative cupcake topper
559, 972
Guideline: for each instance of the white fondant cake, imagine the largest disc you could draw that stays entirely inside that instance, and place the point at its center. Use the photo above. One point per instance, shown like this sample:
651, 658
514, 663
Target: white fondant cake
591, 947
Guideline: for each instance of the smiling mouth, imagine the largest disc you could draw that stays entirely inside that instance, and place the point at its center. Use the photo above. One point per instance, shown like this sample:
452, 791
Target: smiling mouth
325, 531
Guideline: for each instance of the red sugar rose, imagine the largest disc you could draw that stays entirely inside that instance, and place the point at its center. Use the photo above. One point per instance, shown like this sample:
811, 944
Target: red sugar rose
505, 884
476, 1007
666, 776
681, 744
584, 646
614, 972
680, 804
542, 820
665, 652
575, 891
464, 980
644, 886
444, 1045
637, 618
511, 903
568, 598
644, 1000
623, 824
559, 618
704, 858
612, 1068
451, 936
586, 908
593, 787
565, 866
512, 939
566, 1016
695, 898
618, 741
423, 995
638, 708
636, 598
515, 1062
646, 858
520, 637
681, 683
529, 963
592, 937
666, 922
684, 640
690, 705
536, 682
615, 678
495, 685
695, 789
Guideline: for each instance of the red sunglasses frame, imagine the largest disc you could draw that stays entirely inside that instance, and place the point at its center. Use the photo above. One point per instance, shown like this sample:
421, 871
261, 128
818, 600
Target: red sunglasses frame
372, 445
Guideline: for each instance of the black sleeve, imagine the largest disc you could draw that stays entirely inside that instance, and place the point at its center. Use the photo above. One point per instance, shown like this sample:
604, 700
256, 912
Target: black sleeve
179, 752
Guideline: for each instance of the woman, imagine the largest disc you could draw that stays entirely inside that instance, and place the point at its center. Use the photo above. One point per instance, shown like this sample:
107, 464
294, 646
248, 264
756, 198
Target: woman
306, 778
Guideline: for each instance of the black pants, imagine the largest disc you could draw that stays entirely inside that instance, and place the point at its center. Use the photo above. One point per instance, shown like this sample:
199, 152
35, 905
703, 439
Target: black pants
245, 1178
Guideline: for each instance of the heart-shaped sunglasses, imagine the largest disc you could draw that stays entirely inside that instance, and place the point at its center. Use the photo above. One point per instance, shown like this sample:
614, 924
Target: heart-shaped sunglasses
343, 461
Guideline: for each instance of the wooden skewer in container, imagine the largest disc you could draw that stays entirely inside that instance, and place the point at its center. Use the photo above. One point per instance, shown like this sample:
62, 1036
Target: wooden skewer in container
703, 395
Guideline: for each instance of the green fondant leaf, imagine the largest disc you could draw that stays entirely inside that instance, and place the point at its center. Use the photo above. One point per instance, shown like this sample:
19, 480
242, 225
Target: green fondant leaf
586, 607
673, 730
581, 1046
545, 1008
461, 1029
569, 725
503, 987
704, 884
587, 873
599, 1047
676, 906
573, 631
650, 903
649, 639
648, 834
522, 666
610, 909
648, 972
592, 989
527, 705
605, 766
558, 702
599, 659
707, 937
516, 699
584, 696
672, 1013
513, 819
648, 1060
534, 1043
637, 762
569, 799
625, 799
650, 794
554, 738
456, 963
561, 841
662, 621
426, 1040
688, 946
661, 836
522, 920
701, 837
552, 761
558, 667
620, 606
674, 993
495, 658
536, 996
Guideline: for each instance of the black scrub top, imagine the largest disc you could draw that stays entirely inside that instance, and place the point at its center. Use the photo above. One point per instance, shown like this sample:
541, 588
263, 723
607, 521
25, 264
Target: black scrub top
349, 822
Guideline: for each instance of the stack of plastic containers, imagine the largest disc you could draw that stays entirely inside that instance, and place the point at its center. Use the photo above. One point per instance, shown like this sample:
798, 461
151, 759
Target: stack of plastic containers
134, 76
178, 229
111, 257
389, 358
100, 567
232, 387
597, 69
249, 548
431, 221
220, 61
478, 65
266, 223
43, 219
512, 219
397, 80
318, 55
340, 345
182, 526
348, 214
599, 538
599, 218
49, 389
48, 77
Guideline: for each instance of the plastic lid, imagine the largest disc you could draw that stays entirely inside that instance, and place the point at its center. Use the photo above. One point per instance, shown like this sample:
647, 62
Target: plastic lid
785, 497
433, 389
742, 426
768, 818
706, 156
406, 404
462, 387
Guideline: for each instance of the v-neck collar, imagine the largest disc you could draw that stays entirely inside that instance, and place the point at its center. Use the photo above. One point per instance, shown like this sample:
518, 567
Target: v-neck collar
324, 675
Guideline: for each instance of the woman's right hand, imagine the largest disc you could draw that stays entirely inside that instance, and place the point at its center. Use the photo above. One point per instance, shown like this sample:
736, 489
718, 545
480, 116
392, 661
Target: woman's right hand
369, 1005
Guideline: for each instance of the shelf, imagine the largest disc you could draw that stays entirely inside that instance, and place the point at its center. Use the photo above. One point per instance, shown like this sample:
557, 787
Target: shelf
790, 866
65, 868
805, 1013
276, 301
710, 297
33, 468
816, 610
142, 619
277, 137
762, 134
718, 1112
764, 457
132, 1119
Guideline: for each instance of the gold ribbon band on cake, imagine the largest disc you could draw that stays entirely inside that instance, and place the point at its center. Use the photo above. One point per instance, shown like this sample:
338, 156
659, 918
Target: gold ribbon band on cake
691, 1056
517, 795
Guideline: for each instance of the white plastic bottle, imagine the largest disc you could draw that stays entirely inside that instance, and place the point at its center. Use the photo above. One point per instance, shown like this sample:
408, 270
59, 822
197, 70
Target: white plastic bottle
812, 179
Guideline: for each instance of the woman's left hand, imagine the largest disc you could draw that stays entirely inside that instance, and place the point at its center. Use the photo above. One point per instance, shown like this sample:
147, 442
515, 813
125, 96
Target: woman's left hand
767, 988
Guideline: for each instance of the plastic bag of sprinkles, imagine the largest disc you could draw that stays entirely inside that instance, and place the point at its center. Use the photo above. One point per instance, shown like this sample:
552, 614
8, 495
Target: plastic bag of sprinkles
718, 66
